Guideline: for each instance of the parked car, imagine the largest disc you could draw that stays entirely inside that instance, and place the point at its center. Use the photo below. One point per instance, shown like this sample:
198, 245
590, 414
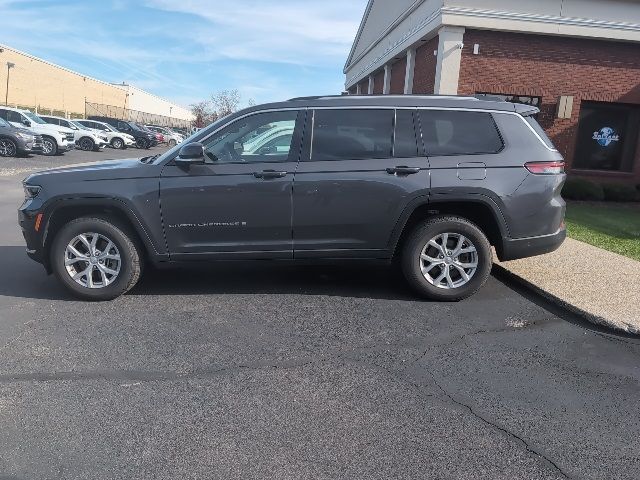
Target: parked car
116, 139
159, 136
55, 139
17, 141
86, 139
143, 139
172, 138
432, 181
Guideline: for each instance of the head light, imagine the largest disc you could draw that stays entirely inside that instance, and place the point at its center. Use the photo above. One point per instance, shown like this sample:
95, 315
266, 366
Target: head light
31, 191
25, 136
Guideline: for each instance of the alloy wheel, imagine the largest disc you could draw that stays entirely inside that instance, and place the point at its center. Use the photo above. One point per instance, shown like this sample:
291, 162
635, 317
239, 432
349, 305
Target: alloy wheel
7, 148
86, 144
47, 146
92, 260
117, 143
449, 260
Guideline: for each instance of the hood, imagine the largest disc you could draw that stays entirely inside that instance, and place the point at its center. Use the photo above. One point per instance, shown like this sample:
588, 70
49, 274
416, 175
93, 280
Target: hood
51, 127
92, 171
18, 130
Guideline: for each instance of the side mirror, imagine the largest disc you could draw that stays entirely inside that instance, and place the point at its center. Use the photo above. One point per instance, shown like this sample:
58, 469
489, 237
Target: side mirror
26, 123
191, 154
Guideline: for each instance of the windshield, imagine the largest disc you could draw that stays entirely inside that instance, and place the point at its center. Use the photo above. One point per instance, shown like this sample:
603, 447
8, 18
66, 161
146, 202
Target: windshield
4, 123
79, 125
108, 127
34, 117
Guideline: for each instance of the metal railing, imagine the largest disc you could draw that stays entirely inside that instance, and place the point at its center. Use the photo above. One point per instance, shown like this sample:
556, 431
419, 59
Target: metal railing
102, 110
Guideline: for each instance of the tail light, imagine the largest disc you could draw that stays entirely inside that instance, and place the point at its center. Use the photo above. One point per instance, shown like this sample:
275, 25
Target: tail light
545, 168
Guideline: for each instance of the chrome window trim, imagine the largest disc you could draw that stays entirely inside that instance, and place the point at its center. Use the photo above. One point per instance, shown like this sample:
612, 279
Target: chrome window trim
360, 107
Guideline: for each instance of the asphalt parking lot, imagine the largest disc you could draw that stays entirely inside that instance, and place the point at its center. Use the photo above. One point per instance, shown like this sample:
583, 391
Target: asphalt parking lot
254, 371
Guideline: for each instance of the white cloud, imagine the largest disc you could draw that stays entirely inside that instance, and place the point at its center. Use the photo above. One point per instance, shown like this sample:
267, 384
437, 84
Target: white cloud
286, 31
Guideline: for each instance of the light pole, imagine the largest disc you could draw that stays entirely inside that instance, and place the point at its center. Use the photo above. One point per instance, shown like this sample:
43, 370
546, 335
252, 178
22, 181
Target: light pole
6, 94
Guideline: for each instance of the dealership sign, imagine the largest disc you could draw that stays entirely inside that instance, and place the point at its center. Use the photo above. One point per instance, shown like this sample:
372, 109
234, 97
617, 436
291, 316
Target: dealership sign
606, 136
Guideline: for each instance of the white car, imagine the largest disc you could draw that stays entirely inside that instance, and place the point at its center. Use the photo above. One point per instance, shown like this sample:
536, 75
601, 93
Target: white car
172, 138
86, 139
55, 139
118, 140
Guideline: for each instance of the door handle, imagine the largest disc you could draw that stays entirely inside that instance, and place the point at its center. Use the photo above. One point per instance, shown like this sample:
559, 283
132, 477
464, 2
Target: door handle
403, 170
267, 174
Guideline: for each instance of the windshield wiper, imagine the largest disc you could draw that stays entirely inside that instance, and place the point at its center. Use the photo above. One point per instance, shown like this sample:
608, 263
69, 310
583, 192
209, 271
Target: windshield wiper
149, 159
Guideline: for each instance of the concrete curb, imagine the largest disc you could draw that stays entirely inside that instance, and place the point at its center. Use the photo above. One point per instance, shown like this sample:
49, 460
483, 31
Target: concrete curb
590, 317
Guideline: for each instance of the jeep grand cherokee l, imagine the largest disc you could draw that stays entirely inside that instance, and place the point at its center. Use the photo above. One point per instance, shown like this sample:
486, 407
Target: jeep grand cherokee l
431, 181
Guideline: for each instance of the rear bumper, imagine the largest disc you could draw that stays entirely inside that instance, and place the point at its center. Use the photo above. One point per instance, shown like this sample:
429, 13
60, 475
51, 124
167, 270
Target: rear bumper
514, 248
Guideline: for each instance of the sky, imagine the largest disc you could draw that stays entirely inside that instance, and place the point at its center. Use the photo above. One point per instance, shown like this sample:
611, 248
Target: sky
185, 50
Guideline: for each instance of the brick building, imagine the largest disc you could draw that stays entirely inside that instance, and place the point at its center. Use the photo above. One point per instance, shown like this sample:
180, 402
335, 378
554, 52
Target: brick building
577, 60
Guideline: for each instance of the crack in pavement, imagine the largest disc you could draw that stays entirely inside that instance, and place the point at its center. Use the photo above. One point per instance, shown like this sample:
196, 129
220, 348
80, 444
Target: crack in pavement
546, 460
509, 433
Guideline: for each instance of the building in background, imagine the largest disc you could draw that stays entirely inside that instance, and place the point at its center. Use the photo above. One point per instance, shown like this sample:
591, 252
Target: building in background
32, 83
577, 60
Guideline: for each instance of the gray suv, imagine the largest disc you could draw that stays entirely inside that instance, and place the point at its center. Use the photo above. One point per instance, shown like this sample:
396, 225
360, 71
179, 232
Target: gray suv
431, 181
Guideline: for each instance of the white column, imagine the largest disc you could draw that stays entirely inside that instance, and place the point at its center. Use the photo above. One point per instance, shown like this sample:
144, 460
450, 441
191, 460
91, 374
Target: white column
449, 58
408, 75
387, 79
370, 89
358, 89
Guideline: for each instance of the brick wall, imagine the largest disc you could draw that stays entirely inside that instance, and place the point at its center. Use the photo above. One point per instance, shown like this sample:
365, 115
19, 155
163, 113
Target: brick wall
424, 76
378, 82
546, 66
398, 73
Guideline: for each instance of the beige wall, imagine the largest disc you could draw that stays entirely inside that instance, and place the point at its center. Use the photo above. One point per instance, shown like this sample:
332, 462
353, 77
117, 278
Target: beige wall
34, 83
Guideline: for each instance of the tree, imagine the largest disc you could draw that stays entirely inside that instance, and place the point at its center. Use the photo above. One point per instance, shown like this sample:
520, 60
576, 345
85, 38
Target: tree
203, 113
225, 102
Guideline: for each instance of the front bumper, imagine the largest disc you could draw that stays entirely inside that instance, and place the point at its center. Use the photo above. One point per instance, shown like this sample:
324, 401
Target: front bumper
30, 146
33, 238
514, 248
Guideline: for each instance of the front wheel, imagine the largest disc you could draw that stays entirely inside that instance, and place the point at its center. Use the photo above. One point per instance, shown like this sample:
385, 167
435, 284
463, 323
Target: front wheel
446, 258
172, 143
117, 143
86, 144
142, 143
49, 146
95, 259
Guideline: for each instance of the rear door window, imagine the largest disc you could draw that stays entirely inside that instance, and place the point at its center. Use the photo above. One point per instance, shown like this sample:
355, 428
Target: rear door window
352, 134
451, 132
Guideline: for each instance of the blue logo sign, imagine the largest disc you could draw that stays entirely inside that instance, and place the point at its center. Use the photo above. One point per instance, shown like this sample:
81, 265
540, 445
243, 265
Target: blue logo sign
606, 136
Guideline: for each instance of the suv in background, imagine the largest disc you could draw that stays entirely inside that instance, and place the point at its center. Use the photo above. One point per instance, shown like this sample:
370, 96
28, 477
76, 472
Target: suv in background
85, 138
116, 139
17, 141
55, 139
143, 139
432, 181
171, 138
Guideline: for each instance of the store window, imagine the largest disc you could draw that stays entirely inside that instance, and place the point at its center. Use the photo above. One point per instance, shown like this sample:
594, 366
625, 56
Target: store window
607, 137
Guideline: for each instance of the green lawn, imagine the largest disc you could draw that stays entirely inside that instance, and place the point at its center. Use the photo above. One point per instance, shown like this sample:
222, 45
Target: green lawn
610, 226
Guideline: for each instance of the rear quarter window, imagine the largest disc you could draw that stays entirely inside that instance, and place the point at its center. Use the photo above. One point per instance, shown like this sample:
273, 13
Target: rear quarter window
451, 132
533, 123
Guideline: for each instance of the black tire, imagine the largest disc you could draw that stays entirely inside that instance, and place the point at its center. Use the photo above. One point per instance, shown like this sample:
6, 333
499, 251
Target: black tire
8, 148
143, 143
49, 146
86, 144
129, 251
418, 240
172, 143
117, 143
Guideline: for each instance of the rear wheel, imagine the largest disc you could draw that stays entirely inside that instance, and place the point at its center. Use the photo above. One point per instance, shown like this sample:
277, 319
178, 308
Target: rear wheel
49, 146
446, 258
172, 143
117, 143
95, 259
8, 148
